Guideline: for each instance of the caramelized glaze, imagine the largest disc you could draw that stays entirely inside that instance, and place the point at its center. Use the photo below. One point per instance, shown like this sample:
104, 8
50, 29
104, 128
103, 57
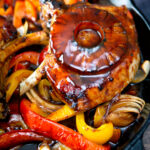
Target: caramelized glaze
84, 73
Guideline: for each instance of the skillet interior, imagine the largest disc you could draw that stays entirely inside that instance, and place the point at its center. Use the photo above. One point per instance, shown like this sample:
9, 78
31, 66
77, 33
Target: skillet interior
132, 136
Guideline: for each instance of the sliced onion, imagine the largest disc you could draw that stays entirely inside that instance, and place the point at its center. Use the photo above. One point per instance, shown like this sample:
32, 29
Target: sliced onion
142, 73
23, 29
44, 105
33, 79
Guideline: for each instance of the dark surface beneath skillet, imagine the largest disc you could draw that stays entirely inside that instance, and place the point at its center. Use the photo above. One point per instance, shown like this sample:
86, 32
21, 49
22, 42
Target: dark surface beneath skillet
132, 138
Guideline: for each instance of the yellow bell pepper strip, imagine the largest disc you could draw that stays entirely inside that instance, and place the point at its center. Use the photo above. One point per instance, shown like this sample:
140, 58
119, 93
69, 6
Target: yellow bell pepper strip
56, 131
38, 110
99, 135
99, 115
99, 120
13, 81
61, 114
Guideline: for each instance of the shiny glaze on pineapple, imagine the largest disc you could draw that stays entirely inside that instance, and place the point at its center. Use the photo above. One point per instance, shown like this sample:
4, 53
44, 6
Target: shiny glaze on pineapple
87, 74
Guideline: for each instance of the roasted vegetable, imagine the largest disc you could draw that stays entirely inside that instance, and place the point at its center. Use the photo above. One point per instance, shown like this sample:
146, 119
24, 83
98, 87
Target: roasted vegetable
56, 131
61, 114
121, 113
13, 81
99, 135
21, 42
14, 138
29, 56
44, 105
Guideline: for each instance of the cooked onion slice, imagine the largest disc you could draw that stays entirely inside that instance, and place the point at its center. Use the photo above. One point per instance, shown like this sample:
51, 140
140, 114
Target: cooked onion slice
22, 31
122, 112
33, 79
44, 105
142, 73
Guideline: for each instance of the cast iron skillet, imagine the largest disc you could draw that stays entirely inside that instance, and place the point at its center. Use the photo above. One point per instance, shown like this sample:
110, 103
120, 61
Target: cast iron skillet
132, 137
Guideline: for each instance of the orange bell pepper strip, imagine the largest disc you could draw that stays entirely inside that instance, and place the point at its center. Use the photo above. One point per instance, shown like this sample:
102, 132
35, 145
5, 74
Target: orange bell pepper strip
99, 135
31, 12
14, 138
29, 56
13, 81
7, 12
70, 2
56, 131
1, 3
19, 13
23, 9
36, 3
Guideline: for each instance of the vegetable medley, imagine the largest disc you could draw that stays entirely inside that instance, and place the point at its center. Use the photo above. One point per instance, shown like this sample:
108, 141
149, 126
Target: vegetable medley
40, 115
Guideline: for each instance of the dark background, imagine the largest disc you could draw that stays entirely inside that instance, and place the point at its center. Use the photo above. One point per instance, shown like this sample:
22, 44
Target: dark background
144, 7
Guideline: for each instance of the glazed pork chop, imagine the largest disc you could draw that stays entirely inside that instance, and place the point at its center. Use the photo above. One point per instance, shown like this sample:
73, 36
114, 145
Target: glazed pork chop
93, 54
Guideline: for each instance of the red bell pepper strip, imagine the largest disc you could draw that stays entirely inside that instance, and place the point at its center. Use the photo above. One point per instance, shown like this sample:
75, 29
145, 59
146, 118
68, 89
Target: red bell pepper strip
43, 54
16, 137
29, 56
20, 66
8, 2
56, 131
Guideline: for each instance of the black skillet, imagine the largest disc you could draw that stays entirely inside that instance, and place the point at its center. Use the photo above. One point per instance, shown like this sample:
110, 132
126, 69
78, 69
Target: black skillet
132, 136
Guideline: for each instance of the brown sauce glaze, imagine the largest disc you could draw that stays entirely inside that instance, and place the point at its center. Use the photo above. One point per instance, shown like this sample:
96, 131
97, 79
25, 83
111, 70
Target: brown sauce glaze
86, 74
88, 54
